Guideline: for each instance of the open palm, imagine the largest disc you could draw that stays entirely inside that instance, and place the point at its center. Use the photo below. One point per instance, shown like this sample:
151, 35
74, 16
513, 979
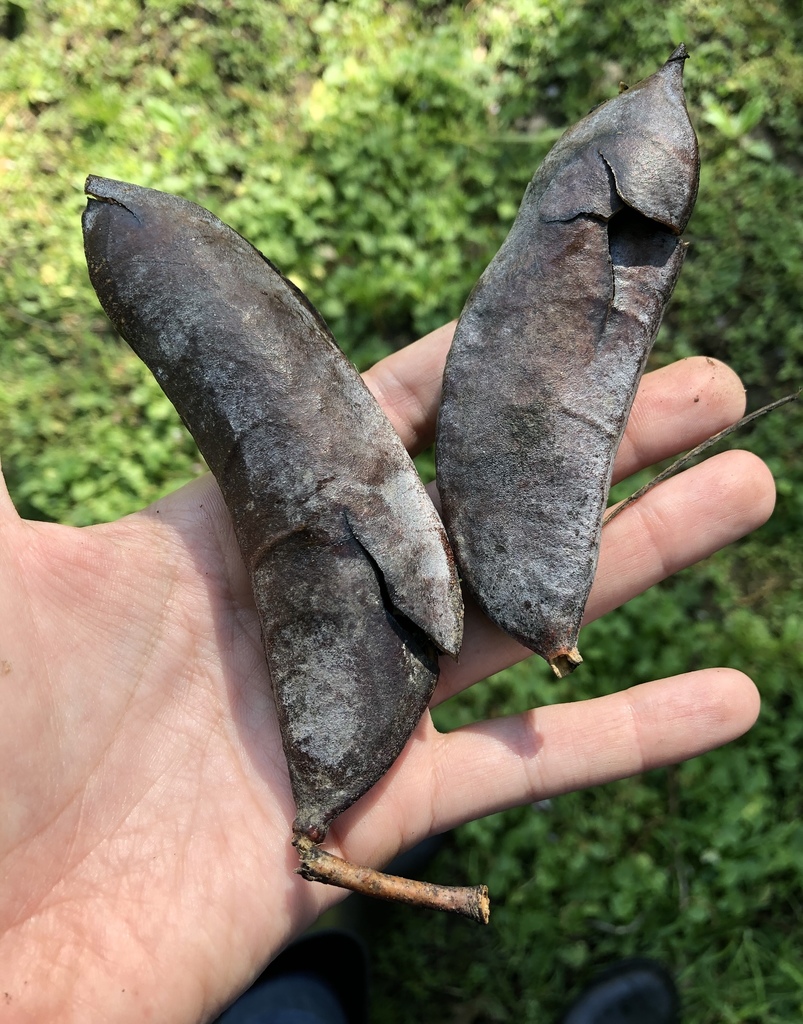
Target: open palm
144, 847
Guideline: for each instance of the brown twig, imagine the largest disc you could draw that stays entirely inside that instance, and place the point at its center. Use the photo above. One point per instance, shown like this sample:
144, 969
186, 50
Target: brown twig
690, 456
319, 866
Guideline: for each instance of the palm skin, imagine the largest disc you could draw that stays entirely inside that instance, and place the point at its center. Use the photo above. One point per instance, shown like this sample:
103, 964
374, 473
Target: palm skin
145, 859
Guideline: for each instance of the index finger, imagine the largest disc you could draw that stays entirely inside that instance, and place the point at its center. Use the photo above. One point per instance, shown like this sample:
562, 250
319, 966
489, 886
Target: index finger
676, 407
407, 384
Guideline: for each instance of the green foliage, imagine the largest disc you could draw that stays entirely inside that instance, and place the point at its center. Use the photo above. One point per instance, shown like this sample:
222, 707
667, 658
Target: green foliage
101, 451
377, 153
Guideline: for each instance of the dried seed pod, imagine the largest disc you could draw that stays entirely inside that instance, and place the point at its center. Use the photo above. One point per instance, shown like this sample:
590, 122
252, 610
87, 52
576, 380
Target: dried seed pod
351, 572
548, 354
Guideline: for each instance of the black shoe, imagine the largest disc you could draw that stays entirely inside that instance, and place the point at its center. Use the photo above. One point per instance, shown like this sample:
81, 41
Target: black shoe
637, 991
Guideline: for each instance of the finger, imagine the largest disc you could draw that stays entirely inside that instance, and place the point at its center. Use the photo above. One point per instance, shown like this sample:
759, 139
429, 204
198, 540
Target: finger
675, 409
564, 747
407, 384
680, 522
712, 505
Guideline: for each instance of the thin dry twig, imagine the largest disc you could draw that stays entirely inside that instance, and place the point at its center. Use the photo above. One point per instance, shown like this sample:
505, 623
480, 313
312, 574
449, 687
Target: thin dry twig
319, 866
684, 461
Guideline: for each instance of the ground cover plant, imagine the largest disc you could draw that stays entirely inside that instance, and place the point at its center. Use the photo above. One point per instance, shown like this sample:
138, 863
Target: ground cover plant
377, 154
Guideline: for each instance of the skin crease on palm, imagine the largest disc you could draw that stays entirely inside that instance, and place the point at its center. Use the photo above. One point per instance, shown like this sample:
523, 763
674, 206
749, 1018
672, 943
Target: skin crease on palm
147, 871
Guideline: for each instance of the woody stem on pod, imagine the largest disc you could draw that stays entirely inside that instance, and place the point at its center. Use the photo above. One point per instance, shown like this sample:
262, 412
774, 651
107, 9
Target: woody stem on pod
317, 865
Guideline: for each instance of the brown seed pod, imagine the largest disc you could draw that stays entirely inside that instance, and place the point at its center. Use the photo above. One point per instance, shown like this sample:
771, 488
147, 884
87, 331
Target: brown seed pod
351, 572
548, 354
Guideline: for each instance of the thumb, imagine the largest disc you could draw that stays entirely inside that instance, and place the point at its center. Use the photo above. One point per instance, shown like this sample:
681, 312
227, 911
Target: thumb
7, 510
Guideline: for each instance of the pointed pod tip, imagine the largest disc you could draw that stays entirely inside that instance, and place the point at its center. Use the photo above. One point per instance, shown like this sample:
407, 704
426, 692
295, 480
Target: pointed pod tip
563, 663
674, 66
101, 200
97, 187
115, 193
107, 196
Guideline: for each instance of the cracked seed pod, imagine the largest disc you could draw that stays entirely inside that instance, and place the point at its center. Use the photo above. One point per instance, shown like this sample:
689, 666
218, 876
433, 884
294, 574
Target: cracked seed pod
548, 354
350, 568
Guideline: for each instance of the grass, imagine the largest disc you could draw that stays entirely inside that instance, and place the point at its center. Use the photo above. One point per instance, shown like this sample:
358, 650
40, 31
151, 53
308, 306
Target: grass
377, 153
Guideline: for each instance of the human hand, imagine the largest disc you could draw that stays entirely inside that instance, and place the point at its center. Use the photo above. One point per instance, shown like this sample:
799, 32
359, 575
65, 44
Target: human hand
145, 846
